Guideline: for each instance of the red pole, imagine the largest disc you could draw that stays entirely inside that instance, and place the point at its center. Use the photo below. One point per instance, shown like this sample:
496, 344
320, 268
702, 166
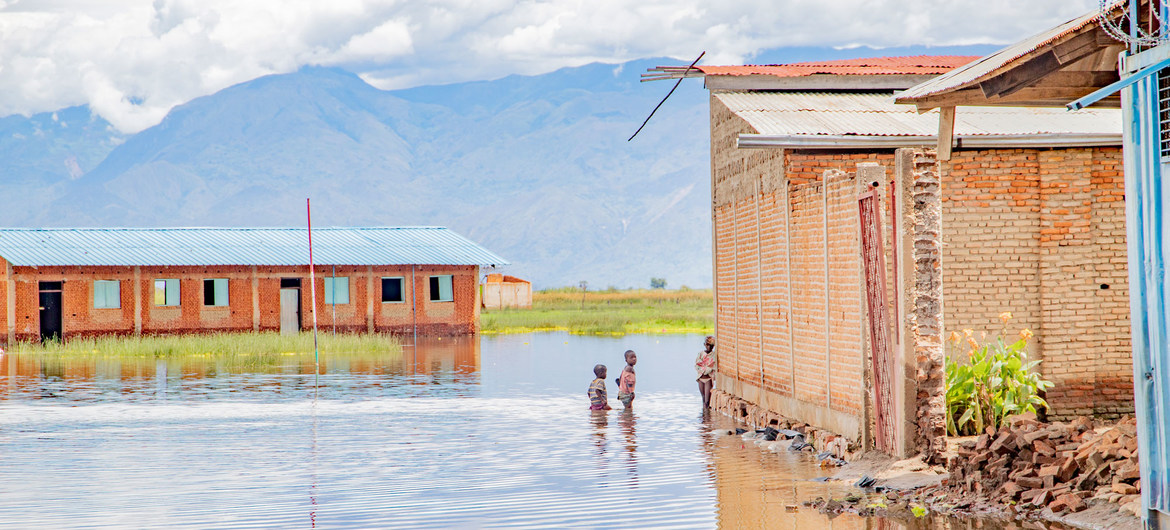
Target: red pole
312, 287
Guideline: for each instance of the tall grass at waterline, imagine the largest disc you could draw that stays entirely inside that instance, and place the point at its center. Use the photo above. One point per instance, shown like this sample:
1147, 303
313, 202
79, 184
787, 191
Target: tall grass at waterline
215, 344
615, 312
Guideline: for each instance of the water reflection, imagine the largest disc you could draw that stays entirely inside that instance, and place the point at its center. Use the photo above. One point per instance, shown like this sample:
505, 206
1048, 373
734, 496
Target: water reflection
451, 365
458, 433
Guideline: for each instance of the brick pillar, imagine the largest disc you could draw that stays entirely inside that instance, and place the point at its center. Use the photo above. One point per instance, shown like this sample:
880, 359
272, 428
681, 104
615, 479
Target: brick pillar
10, 301
137, 288
919, 172
256, 299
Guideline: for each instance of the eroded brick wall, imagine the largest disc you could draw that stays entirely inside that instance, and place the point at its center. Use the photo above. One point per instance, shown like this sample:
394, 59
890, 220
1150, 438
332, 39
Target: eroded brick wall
253, 301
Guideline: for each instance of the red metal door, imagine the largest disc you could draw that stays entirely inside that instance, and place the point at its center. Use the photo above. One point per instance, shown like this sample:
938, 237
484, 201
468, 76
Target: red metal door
881, 347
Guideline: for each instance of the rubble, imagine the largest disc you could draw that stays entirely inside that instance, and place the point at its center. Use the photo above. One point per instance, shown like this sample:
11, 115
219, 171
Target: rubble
1059, 466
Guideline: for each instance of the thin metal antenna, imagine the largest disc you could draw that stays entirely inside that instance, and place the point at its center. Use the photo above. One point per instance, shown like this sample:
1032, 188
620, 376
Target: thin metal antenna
680, 79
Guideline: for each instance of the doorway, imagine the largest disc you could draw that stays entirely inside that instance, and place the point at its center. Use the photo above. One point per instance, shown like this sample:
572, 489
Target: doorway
290, 306
50, 310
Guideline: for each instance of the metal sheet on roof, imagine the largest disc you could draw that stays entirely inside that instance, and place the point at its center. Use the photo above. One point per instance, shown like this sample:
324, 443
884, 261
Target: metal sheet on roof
876, 114
240, 246
989, 65
913, 65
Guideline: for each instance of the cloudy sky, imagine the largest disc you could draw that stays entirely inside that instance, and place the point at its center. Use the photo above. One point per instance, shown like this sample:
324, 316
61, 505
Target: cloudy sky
133, 60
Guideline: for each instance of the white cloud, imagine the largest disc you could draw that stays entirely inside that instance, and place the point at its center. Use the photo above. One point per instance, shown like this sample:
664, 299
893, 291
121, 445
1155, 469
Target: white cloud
133, 60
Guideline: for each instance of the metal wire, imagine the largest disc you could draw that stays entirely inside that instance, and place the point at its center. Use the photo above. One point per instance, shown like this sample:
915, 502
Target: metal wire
1115, 27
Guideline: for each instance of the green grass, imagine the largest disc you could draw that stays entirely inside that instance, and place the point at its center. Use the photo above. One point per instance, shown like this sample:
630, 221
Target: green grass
611, 312
248, 344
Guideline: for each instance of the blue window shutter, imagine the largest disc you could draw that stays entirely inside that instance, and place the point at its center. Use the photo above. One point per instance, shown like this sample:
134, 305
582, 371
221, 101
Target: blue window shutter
172, 292
113, 294
445, 289
341, 290
328, 290
221, 291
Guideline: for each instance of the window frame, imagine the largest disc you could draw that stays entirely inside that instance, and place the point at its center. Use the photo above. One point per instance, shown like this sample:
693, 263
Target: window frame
438, 297
103, 286
401, 289
218, 286
331, 283
167, 302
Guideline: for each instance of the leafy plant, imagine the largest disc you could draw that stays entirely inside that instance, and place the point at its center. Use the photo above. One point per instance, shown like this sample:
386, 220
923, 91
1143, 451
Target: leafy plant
657, 283
997, 381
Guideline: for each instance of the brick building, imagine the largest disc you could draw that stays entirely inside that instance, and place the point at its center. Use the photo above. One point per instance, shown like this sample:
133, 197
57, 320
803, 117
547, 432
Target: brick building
122, 281
502, 291
1032, 222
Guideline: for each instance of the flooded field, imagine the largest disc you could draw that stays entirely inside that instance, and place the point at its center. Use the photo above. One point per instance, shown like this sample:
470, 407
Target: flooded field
462, 433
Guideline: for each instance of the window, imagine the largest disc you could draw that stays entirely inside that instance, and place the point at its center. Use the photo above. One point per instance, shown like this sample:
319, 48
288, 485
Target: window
107, 294
166, 292
392, 290
441, 288
336, 290
215, 292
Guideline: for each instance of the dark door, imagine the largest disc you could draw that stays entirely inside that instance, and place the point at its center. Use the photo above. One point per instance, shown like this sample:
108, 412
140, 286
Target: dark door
50, 304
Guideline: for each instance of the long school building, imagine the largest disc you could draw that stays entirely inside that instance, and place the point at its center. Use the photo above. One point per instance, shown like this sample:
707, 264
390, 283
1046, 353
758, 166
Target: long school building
123, 281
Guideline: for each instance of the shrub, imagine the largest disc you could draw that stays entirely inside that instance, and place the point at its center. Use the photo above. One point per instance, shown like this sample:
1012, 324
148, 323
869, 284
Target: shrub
996, 381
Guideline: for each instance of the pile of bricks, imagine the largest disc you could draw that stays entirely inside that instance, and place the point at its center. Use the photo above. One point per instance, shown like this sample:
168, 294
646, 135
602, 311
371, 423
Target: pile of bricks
1057, 466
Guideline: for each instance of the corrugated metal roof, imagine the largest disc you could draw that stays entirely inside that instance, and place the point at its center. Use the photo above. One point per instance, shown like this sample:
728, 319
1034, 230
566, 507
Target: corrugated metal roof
991, 64
240, 246
876, 114
913, 65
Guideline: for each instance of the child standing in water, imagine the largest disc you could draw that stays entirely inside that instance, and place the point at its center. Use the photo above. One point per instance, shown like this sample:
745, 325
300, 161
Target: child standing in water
627, 379
598, 397
705, 368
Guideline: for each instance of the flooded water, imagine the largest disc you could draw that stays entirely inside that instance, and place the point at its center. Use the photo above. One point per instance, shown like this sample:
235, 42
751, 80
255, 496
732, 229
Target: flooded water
464, 433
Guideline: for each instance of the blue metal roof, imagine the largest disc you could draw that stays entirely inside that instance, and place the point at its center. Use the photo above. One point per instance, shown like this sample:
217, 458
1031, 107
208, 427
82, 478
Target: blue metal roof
240, 246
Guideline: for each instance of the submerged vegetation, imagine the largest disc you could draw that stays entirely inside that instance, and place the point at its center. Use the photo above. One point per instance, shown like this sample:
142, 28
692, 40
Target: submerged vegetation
246, 344
611, 311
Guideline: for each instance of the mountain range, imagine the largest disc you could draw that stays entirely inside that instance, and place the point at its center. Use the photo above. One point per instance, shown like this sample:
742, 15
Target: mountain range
535, 168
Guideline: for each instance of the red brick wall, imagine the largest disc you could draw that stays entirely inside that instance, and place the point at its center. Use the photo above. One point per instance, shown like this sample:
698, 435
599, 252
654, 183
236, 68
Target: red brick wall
364, 311
1033, 231
1038, 233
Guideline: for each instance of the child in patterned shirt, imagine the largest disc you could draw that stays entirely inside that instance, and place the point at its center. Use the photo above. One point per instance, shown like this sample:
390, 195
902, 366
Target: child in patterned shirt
598, 397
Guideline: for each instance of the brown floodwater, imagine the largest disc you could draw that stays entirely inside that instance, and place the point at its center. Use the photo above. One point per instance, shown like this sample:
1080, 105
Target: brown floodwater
472, 432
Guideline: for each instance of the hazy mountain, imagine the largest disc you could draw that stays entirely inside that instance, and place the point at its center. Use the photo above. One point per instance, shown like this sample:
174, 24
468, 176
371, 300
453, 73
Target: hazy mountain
535, 168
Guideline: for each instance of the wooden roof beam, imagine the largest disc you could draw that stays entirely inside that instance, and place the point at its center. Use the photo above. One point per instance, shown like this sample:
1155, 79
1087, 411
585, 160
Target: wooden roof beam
1034, 69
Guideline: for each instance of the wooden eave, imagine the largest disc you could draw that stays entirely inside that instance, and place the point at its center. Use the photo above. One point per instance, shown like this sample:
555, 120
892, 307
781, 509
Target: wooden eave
1049, 76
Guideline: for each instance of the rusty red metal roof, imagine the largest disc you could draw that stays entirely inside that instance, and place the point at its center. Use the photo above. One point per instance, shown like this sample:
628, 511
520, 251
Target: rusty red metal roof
912, 65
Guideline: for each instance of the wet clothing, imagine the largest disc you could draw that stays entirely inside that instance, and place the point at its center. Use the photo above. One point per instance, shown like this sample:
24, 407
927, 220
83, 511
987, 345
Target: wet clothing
705, 364
626, 387
598, 397
626, 381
